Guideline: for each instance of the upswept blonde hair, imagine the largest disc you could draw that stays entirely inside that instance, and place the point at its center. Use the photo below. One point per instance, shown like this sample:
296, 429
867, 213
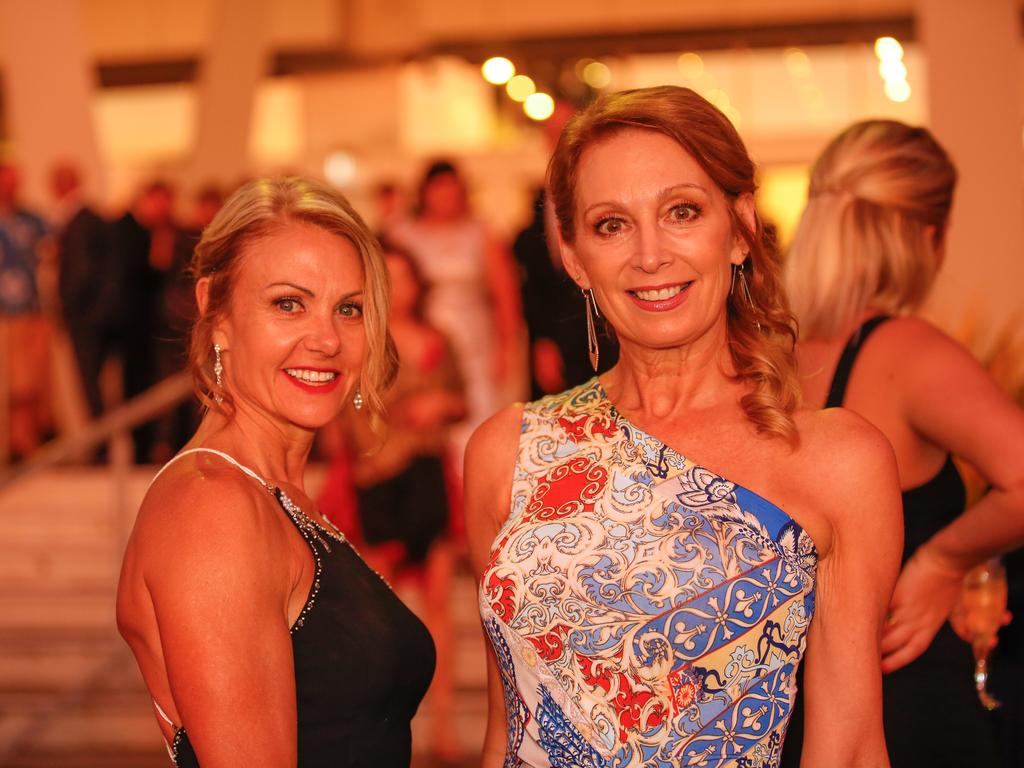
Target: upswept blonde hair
255, 210
870, 237
762, 332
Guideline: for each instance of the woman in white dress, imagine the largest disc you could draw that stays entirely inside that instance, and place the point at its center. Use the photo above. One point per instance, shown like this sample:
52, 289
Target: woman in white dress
474, 295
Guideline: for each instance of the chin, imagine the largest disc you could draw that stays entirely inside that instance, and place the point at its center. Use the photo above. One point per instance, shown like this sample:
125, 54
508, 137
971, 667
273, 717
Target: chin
312, 418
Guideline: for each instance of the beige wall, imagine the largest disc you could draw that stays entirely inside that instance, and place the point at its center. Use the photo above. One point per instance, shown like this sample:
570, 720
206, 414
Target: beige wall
974, 54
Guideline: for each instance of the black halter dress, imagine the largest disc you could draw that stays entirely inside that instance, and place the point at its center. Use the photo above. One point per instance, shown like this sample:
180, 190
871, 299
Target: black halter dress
363, 661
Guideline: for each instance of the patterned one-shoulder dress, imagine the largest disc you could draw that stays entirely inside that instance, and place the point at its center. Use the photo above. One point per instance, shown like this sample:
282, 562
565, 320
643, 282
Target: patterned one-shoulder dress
644, 611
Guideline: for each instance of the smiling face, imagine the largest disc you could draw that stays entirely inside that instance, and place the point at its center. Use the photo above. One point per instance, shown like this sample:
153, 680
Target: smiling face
654, 239
293, 340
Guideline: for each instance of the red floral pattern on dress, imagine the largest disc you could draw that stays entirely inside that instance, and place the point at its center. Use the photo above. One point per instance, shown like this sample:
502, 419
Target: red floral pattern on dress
502, 594
635, 706
567, 489
550, 645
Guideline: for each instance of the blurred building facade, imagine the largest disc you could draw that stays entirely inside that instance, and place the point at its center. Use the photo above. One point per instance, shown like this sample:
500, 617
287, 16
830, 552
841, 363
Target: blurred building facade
363, 90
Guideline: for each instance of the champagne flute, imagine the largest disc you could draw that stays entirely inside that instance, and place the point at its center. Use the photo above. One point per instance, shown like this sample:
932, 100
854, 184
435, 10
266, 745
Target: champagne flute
982, 608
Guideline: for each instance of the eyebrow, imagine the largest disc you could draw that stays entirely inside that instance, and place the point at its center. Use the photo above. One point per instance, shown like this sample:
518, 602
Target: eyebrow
661, 195
308, 292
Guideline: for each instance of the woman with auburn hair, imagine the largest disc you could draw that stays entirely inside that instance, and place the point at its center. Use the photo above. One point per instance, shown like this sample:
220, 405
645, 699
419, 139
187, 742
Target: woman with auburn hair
660, 547
262, 636
865, 254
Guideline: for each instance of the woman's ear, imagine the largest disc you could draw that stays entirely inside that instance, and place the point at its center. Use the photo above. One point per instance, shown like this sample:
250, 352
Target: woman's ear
203, 303
202, 294
745, 212
571, 262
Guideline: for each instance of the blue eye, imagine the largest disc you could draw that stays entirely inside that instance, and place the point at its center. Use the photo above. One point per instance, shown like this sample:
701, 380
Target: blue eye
351, 309
288, 304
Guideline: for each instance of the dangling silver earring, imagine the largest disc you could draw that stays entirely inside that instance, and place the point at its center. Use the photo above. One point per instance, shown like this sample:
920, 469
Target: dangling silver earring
592, 347
218, 374
746, 289
357, 399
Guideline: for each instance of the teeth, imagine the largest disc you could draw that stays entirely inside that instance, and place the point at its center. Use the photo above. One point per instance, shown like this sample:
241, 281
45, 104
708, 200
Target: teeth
311, 377
660, 294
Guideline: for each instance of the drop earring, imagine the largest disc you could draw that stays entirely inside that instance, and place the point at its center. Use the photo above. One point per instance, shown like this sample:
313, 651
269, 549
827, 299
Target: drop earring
593, 350
218, 374
357, 399
745, 288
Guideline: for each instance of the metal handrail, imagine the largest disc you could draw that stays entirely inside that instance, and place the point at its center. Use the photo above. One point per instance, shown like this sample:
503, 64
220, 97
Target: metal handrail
156, 400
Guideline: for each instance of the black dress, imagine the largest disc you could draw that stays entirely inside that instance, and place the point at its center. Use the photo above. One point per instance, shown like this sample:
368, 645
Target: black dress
363, 662
931, 712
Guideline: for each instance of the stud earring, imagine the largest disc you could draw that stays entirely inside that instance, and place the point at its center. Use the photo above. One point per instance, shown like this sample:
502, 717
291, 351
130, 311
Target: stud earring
357, 399
218, 374
593, 350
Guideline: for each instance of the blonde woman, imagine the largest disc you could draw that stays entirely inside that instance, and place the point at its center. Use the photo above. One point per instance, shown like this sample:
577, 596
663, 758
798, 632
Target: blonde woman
660, 548
866, 252
263, 638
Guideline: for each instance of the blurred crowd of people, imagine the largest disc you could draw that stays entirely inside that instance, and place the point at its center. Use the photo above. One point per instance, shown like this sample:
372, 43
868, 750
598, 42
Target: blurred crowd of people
117, 289
83, 292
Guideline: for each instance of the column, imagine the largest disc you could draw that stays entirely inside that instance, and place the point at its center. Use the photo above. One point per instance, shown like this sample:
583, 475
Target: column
233, 65
974, 73
48, 80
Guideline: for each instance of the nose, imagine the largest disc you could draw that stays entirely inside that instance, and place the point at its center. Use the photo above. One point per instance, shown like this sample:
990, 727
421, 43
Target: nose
651, 251
323, 336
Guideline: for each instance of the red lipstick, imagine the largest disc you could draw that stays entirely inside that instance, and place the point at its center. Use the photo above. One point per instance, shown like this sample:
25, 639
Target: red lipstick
660, 305
315, 389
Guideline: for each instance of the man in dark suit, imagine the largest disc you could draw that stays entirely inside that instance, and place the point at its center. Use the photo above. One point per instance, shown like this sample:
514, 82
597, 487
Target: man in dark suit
86, 284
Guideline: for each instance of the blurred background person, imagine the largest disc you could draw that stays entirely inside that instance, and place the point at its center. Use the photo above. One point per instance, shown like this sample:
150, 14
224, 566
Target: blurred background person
401, 480
388, 205
864, 256
553, 308
473, 296
207, 201
152, 255
23, 239
87, 282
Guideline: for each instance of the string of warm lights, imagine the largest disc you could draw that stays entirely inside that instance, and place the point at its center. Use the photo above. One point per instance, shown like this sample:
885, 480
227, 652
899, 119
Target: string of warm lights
537, 105
892, 69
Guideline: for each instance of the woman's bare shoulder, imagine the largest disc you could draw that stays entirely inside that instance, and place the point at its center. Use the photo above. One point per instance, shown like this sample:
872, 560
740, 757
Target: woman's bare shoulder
912, 342
201, 505
849, 466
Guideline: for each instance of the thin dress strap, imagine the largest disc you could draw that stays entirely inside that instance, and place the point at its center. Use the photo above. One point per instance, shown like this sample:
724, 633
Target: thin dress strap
166, 719
224, 456
841, 378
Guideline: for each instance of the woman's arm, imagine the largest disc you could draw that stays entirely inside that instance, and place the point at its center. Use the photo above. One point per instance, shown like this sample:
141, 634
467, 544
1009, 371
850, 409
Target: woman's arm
490, 462
859, 490
217, 571
952, 402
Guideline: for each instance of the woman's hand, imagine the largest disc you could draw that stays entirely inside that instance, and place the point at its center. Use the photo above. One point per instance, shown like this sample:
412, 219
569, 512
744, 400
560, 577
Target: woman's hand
926, 591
